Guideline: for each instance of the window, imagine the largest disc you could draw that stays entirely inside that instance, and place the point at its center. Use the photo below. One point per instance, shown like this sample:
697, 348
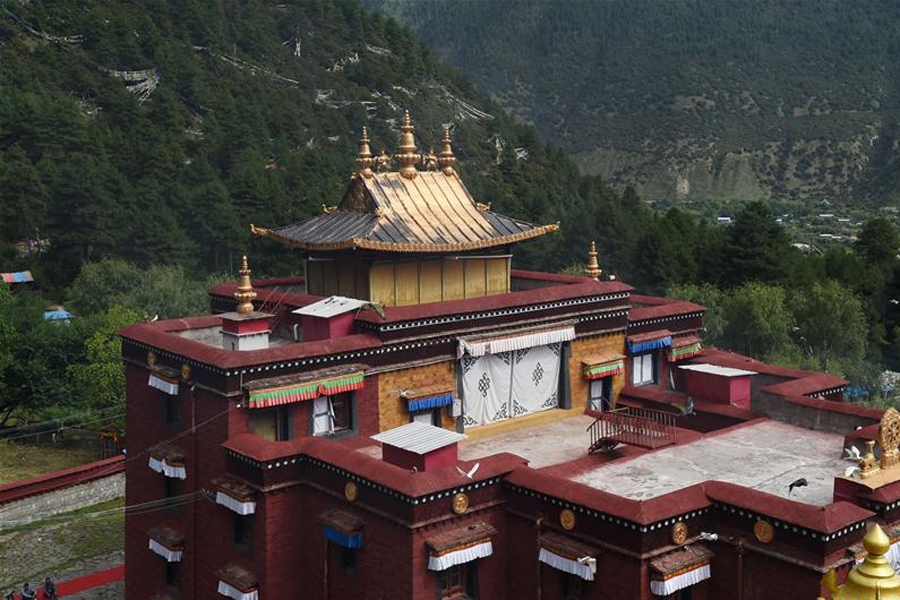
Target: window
683, 594
243, 531
573, 587
172, 411
173, 577
348, 560
643, 371
332, 414
172, 490
600, 393
429, 417
458, 583
273, 423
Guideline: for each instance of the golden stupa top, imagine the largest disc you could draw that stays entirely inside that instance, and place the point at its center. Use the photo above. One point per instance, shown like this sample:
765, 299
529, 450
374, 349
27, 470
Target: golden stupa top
406, 210
873, 578
593, 269
245, 295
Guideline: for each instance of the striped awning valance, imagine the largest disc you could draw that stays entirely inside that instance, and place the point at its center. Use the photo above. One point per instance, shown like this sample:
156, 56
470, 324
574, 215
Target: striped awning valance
509, 341
647, 342
461, 545
685, 347
427, 398
297, 388
164, 379
679, 569
596, 367
568, 555
342, 528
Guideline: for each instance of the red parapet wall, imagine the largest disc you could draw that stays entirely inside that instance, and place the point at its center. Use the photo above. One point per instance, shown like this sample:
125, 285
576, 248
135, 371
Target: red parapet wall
43, 484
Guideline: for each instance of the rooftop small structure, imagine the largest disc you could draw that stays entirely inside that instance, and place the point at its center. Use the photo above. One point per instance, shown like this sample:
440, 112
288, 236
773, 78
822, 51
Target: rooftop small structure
419, 446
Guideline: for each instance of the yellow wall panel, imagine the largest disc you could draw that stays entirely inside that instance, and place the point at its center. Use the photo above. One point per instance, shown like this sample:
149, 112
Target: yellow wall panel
347, 278
392, 410
476, 285
314, 277
430, 288
381, 283
362, 281
407, 283
608, 344
497, 275
330, 278
454, 286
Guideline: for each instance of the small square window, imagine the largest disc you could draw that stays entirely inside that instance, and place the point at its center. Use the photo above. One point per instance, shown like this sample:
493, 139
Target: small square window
172, 411
243, 531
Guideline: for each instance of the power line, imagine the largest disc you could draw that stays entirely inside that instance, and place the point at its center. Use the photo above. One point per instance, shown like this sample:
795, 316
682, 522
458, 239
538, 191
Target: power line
62, 428
60, 419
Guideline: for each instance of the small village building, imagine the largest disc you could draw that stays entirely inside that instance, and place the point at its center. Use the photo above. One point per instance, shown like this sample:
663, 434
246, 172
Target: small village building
415, 419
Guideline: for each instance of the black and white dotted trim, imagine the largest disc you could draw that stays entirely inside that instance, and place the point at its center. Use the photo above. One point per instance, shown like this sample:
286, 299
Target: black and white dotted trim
777, 524
366, 482
668, 319
602, 516
828, 392
492, 313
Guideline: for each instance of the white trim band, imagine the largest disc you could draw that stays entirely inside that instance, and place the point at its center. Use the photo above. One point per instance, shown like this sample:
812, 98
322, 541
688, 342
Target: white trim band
163, 385
515, 342
585, 569
458, 557
166, 553
679, 582
161, 466
233, 592
241, 508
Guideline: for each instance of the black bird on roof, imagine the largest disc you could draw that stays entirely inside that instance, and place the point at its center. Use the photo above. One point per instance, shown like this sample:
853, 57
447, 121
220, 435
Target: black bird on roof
799, 483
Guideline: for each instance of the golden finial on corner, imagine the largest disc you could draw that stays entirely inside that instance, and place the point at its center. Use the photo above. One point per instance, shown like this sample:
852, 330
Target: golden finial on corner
383, 161
364, 158
407, 156
447, 159
873, 578
593, 269
245, 293
430, 161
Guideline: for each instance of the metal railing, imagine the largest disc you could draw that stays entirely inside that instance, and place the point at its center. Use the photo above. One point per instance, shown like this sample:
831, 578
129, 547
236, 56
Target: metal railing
641, 427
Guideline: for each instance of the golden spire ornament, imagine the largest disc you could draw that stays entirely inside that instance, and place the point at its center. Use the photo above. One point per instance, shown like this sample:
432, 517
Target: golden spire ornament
245, 293
593, 269
873, 578
364, 158
407, 156
447, 159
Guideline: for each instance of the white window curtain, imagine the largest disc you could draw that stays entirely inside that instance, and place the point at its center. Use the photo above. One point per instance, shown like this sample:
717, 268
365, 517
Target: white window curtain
461, 556
163, 385
585, 569
679, 582
596, 394
642, 369
241, 508
232, 592
502, 386
166, 553
323, 416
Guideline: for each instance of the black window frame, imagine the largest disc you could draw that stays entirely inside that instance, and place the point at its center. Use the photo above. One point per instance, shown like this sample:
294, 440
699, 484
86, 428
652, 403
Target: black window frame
242, 533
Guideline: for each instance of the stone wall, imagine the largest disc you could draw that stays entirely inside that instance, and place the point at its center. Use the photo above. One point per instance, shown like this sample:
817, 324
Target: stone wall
392, 410
65, 499
813, 413
603, 345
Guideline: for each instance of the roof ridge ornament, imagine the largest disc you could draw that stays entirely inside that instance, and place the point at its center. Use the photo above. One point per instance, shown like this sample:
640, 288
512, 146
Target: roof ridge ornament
447, 158
873, 578
245, 293
364, 158
593, 269
407, 156
383, 161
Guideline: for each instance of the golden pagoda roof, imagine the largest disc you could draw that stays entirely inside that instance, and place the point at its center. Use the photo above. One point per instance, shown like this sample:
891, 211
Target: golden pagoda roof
432, 212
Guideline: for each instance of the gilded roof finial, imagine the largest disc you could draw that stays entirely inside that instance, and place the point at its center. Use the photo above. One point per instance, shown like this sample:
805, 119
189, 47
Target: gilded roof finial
364, 158
447, 159
245, 293
430, 160
407, 156
383, 161
593, 269
874, 578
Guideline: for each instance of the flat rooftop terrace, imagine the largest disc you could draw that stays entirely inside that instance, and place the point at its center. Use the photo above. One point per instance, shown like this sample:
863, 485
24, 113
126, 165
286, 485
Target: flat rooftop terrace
765, 455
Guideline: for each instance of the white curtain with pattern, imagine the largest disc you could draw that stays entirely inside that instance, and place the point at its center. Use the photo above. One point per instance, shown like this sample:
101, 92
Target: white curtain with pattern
501, 386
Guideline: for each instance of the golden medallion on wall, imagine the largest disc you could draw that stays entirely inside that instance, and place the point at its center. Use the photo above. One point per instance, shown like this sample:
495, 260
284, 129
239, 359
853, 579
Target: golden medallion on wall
185, 371
679, 533
763, 531
350, 491
151, 358
460, 503
567, 519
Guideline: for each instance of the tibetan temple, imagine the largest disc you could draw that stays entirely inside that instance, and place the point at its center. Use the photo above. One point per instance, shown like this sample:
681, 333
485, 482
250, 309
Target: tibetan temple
415, 419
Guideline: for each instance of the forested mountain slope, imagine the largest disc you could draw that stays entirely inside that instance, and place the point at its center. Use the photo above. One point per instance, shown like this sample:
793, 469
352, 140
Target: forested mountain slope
157, 131
693, 99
